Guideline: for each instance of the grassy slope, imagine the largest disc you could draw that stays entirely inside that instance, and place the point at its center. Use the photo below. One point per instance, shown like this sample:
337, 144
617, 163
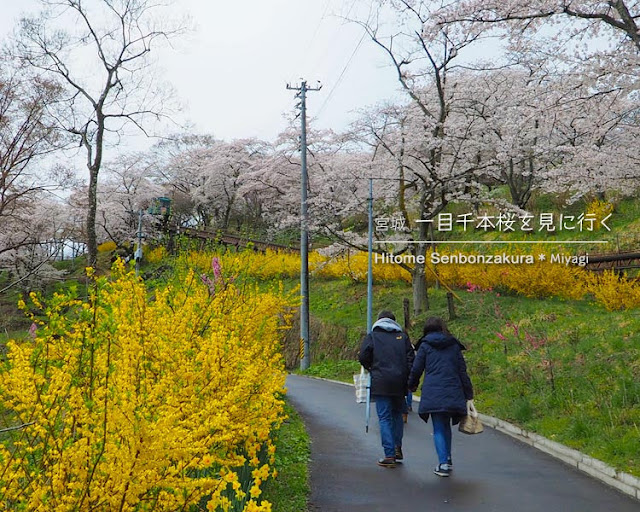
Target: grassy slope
565, 369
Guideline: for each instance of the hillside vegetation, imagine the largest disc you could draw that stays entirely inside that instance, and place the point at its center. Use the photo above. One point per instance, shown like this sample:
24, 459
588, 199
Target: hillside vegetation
551, 347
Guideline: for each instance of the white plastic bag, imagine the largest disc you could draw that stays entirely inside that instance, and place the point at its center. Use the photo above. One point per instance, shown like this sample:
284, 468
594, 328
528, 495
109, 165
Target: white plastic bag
362, 382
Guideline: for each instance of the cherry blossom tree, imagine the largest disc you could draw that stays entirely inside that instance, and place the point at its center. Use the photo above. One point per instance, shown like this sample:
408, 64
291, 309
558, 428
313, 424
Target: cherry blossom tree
518, 112
211, 173
337, 187
30, 264
275, 180
129, 186
597, 138
27, 135
599, 42
179, 178
617, 19
222, 168
435, 150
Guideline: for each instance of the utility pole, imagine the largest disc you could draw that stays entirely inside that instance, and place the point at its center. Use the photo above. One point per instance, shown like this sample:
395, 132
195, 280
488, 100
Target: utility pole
305, 360
370, 263
138, 253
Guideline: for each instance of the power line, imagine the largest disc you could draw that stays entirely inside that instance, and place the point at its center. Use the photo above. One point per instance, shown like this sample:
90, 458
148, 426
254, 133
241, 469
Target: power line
342, 74
315, 33
322, 18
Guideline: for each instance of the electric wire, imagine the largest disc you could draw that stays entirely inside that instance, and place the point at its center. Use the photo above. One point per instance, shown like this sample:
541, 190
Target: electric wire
303, 55
342, 74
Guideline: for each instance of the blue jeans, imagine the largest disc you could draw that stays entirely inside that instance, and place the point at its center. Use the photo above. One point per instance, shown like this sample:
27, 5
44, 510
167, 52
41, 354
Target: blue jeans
442, 435
389, 409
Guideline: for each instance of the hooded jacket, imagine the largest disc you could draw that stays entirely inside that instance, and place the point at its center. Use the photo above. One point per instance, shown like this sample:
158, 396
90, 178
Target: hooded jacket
387, 354
446, 386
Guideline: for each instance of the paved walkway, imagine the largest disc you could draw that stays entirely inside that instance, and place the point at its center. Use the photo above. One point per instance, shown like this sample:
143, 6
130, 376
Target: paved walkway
493, 472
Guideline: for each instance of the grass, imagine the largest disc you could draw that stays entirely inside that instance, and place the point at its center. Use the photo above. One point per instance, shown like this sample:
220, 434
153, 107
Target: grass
289, 491
337, 370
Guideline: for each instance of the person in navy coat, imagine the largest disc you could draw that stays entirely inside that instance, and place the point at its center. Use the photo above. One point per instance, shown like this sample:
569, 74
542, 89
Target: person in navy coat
446, 387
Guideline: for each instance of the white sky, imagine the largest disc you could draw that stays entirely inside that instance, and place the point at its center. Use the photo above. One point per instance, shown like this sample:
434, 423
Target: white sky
231, 72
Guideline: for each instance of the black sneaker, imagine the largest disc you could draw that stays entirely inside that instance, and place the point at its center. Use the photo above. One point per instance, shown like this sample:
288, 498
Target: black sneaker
387, 462
442, 470
399, 455
449, 464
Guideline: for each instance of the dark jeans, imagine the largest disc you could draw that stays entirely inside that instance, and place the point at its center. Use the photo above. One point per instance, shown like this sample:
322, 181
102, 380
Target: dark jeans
389, 409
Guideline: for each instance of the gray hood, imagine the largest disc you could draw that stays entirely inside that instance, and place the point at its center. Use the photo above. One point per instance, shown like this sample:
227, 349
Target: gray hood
387, 324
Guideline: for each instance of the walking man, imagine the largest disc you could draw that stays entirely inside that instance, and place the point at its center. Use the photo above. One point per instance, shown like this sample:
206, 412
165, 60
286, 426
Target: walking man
387, 354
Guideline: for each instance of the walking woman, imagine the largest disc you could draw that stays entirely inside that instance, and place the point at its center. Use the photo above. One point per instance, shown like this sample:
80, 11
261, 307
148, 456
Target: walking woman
446, 387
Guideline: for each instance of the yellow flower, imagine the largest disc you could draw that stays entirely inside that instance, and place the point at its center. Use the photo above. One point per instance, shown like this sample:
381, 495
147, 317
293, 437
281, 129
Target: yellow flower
169, 373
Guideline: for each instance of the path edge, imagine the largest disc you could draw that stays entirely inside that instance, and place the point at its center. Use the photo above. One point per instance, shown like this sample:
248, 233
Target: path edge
623, 482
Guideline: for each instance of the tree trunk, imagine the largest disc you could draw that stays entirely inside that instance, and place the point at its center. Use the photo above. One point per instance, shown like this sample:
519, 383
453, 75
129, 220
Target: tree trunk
418, 280
419, 284
92, 239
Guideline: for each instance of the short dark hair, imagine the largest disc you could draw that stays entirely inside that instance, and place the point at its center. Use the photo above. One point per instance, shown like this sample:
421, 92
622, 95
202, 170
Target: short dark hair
385, 313
435, 324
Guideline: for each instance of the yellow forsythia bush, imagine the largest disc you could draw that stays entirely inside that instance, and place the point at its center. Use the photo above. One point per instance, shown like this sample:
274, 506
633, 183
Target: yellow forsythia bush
267, 265
354, 265
614, 291
107, 246
539, 279
126, 402
271, 264
156, 254
599, 209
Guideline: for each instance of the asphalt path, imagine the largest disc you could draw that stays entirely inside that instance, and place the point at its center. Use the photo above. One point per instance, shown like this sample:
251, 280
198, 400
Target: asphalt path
492, 471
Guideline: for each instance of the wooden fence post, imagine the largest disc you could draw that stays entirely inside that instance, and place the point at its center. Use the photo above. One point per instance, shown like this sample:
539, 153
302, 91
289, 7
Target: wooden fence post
450, 306
407, 317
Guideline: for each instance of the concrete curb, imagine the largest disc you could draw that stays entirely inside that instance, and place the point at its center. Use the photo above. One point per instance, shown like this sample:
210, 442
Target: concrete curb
624, 482
326, 380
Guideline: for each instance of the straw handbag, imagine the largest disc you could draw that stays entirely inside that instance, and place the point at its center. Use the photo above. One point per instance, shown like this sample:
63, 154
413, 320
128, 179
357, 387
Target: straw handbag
471, 423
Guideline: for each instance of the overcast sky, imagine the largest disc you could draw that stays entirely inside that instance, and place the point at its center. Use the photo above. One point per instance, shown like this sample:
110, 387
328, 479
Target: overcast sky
231, 71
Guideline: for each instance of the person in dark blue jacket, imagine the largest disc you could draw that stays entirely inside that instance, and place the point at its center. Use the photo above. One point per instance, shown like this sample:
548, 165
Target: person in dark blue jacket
387, 354
446, 387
